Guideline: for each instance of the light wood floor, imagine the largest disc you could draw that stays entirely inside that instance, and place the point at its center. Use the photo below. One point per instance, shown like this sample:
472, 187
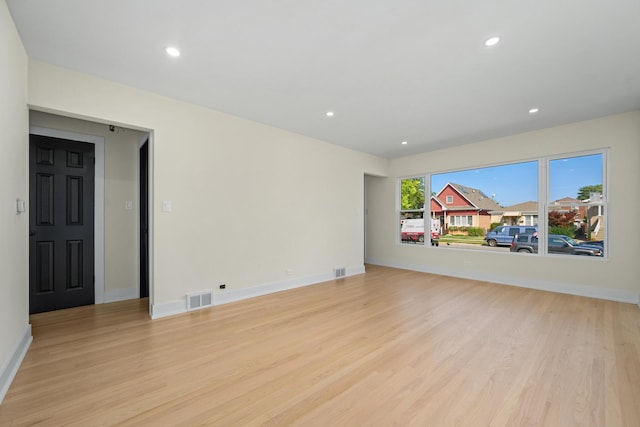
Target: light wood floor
391, 347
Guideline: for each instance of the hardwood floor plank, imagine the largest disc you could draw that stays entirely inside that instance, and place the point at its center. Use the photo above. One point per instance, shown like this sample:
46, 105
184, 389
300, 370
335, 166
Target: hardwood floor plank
390, 347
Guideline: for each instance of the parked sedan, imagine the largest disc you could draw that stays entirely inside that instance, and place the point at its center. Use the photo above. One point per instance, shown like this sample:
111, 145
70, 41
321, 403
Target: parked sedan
590, 244
599, 243
528, 243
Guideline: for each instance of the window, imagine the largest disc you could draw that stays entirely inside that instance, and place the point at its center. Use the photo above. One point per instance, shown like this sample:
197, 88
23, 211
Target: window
461, 220
412, 198
487, 207
576, 210
485, 198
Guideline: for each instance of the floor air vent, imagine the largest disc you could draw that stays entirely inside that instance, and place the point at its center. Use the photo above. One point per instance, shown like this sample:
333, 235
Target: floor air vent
339, 272
199, 300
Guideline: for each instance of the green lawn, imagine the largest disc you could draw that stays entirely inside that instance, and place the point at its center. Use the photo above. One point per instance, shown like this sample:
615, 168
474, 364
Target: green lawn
472, 240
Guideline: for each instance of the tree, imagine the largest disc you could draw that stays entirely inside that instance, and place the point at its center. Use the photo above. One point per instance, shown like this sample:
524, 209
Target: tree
412, 194
585, 192
561, 219
562, 223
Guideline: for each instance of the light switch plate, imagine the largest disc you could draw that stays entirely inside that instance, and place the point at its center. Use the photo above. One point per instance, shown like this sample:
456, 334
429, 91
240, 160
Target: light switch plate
21, 206
166, 206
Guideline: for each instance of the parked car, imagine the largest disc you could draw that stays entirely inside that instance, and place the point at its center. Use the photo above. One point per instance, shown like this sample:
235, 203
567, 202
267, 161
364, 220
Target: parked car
528, 243
599, 243
502, 235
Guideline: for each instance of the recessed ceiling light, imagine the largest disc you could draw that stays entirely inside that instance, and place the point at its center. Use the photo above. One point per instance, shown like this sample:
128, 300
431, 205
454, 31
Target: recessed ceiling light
329, 113
404, 143
172, 51
533, 110
492, 41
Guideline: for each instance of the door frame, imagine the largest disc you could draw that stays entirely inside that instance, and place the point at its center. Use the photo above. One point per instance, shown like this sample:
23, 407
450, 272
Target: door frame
99, 202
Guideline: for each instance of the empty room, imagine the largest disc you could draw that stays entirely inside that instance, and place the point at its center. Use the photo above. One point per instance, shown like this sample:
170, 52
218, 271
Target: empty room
319, 213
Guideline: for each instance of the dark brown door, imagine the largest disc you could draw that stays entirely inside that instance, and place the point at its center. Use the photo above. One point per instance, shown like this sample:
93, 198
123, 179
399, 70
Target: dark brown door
144, 220
61, 245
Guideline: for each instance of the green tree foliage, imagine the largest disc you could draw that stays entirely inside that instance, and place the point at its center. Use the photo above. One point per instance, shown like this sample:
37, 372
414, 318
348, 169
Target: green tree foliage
585, 192
412, 194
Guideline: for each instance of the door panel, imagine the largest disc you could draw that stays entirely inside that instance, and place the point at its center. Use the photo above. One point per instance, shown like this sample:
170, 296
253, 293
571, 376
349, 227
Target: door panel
44, 266
74, 200
74, 264
61, 245
44, 195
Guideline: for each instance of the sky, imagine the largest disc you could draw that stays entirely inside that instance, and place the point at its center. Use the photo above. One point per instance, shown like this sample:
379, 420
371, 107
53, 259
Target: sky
517, 183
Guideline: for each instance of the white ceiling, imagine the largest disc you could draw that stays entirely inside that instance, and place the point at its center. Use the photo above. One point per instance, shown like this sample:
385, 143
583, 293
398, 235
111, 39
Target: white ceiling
391, 70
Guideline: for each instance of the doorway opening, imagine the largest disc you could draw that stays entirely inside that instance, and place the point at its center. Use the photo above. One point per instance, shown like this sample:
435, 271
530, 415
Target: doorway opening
120, 209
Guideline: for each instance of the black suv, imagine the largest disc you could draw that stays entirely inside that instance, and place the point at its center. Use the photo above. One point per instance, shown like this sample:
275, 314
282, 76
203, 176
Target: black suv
528, 243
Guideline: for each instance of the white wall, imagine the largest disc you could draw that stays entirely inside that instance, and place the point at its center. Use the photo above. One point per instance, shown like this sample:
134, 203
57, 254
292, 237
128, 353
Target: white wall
121, 184
249, 201
614, 278
15, 332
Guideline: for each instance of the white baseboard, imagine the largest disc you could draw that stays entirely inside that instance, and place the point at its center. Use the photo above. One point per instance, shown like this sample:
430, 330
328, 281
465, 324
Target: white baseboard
10, 369
226, 296
121, 294
543, 285
168, 308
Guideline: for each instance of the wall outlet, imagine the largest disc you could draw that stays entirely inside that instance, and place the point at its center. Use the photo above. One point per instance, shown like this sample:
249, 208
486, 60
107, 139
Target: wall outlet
223, 286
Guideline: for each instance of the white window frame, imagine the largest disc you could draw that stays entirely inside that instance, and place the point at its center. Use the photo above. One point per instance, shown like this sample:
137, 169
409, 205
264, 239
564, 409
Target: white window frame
530, 220
544, 226
424, 210
543, 200
468, 219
